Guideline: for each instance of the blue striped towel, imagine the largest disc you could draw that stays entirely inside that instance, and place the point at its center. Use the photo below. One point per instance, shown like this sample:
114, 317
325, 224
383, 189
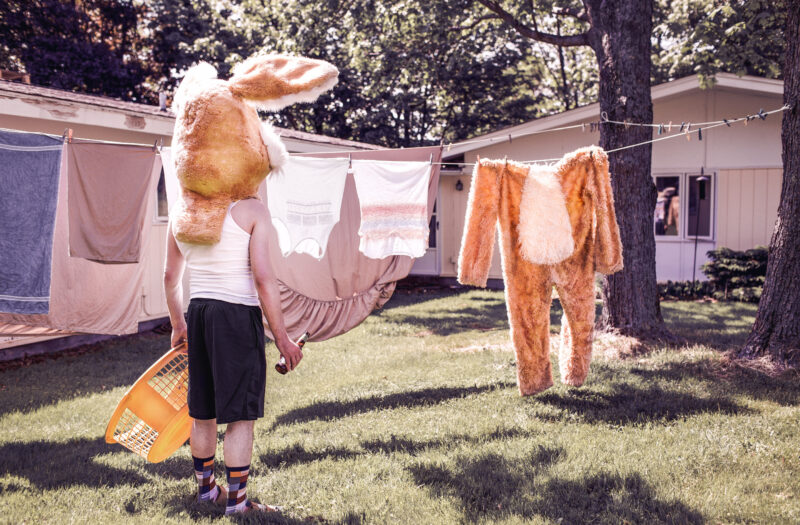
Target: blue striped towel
29, 174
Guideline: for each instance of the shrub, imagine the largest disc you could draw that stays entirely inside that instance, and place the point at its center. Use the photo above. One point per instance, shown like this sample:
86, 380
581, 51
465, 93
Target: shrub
737, 275
685, 289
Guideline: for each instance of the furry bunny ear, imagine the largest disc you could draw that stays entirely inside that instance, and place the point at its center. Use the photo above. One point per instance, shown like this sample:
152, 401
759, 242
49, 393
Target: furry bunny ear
272, 82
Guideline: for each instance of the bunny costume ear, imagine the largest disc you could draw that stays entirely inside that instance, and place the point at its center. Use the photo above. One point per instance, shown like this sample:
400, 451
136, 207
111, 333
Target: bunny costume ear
272, 82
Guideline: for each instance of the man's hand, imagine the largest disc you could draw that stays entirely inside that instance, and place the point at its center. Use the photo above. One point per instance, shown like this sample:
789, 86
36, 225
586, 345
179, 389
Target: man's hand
178, 334
290, 352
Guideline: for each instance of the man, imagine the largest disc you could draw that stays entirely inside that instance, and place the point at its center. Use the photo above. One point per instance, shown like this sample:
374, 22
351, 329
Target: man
227, 366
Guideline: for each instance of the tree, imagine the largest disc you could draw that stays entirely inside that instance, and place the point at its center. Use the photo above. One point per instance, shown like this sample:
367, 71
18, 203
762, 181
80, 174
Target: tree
619, 35
706, 36
776, 331
90, 46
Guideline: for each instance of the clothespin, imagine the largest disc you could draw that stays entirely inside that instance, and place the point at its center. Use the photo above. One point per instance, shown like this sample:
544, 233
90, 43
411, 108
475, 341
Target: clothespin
349, 160
431, 160
505, 160
761, 114
157, 144
450, 145
699, 133
747, 118
627, 124
583, 127
669, 126
688, 135
701, 171
726, 122
660, 129
683, 125
509, 138
67, 136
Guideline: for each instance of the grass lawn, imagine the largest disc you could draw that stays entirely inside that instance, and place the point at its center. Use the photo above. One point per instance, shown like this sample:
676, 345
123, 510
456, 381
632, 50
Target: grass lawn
414, 417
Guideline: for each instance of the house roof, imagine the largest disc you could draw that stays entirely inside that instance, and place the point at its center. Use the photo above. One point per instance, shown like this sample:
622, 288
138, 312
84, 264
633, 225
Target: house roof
37, 94
724, 81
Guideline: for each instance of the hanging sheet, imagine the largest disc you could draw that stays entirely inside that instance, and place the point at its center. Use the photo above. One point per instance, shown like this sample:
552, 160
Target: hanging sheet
330, 296
29, 173
108, 196
86, 296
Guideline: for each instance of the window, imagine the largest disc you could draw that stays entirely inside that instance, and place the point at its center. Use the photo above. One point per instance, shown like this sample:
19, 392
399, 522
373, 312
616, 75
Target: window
699, 217
432, 228
666, 218
162, 212
684, 218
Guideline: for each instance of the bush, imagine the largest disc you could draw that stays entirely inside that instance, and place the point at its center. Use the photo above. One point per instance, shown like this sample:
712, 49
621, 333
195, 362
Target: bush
685, 289
737, 275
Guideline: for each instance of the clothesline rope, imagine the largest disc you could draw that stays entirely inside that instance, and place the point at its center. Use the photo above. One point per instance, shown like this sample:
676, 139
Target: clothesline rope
685, 129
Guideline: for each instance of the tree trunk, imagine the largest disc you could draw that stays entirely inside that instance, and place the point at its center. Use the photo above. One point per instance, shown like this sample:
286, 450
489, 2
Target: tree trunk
620, 38
776, 331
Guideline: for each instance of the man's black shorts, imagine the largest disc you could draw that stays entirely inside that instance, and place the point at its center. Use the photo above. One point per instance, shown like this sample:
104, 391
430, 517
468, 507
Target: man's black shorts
227, 365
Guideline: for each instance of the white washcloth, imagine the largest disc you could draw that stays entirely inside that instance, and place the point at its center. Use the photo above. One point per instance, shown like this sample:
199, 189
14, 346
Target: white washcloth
304, 197
394, 207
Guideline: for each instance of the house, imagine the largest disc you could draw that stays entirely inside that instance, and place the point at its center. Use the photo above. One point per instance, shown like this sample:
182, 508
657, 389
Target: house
743, 163
25, 107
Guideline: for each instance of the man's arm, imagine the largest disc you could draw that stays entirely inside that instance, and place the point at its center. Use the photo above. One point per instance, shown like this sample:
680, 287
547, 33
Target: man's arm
173, 276
267, 288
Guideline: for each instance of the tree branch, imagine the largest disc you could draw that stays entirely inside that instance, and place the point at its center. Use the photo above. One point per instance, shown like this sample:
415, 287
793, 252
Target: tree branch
580, 14
565, 41
473, 24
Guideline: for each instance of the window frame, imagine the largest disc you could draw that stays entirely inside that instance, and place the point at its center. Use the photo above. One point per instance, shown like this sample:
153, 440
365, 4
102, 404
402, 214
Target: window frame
683, 227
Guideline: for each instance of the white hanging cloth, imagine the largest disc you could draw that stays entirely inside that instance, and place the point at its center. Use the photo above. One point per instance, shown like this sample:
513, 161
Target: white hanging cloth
394, 207
304, 197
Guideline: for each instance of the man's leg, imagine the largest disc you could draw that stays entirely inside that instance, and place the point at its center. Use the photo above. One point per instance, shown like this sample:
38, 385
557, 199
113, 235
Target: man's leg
203, 444
238, 450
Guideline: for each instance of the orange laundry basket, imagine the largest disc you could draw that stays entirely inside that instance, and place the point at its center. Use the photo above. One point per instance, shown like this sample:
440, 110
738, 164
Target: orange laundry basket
152, 418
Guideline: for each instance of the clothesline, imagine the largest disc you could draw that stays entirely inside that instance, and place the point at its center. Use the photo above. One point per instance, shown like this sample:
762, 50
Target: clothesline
685, 129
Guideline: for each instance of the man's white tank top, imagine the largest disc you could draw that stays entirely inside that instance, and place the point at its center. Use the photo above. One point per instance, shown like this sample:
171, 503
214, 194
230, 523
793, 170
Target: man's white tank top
222, 271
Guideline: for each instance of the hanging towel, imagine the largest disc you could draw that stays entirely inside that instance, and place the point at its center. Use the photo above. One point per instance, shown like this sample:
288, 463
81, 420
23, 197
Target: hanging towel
29, 173
108, 195
304, 197
394, 207
86, 296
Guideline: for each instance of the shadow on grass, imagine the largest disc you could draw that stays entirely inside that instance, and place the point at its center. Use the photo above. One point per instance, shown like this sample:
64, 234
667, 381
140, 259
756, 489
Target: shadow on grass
330, 410
408, 297
297, 454
625, 404
110, 365
198, 511
721, 379
721, 326
50, 465
494, 488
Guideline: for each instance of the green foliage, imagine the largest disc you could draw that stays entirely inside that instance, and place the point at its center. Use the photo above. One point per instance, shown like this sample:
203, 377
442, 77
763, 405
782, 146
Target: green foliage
90, 46
708, 36
683, 290
413, 72
735, 274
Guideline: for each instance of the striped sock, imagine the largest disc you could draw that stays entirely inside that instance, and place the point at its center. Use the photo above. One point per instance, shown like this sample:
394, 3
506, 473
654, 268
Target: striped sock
207, 489
237, 489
